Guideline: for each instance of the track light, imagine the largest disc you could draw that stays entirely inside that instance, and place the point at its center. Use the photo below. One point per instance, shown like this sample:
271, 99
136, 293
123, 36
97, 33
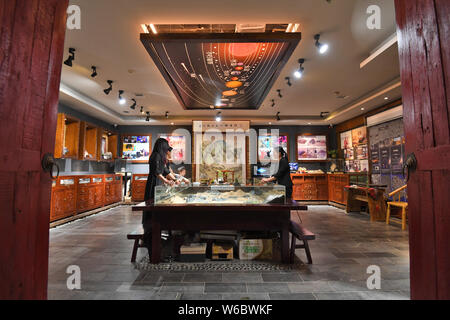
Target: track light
133, 106
94, 71
108, 90
273, 103
148, 116
219, 116
142, 110
323, 47
299, 73
288, 79
70, 59
167, 114
121, 99
279, 93
278, 116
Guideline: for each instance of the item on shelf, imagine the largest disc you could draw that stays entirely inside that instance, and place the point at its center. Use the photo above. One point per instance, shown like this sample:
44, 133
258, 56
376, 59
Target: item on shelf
194, 252
255, 249
107, 156
222, 251
302, 170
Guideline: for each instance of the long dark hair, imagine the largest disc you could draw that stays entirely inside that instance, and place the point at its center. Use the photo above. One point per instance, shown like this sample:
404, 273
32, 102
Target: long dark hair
283, 153
161, 148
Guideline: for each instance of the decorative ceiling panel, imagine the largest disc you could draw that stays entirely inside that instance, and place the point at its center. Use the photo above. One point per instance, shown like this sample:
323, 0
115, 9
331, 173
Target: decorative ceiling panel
220, 70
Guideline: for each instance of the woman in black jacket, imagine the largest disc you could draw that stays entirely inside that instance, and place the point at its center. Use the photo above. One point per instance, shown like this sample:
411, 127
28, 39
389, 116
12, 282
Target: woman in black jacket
283, 176
159, 174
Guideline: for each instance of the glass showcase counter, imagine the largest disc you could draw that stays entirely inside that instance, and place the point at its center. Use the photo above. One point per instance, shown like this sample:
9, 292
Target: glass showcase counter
220, 195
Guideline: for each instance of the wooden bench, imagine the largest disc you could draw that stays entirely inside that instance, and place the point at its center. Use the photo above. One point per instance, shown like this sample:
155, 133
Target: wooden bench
301, 233
137, 236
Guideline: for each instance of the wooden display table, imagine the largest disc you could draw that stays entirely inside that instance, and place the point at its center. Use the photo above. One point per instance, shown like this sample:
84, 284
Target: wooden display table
192, 217
373, 197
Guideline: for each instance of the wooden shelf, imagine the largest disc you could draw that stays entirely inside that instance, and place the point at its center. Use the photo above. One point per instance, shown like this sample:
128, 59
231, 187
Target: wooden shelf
67, 137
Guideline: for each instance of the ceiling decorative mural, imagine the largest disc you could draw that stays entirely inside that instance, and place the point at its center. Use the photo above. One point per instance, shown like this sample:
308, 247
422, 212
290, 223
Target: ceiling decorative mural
219, 70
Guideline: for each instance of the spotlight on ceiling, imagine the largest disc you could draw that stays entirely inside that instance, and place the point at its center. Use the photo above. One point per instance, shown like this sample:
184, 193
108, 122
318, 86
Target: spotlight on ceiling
108, 90
323, 47
70, 59
148, 116
167, 114
278, 116
288, 79
219, 116
324, 114
299, 73
94, 71
133, 106
273, 103
279, 93
142, 110
121, 99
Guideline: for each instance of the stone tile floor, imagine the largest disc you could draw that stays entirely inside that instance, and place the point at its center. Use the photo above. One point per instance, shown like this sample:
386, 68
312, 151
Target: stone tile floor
345, 246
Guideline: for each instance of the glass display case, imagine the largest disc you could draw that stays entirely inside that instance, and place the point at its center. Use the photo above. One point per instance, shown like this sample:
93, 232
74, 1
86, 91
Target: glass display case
220, 195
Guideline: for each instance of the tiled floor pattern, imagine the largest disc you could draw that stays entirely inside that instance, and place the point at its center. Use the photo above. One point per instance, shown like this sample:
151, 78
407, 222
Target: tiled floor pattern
345, 246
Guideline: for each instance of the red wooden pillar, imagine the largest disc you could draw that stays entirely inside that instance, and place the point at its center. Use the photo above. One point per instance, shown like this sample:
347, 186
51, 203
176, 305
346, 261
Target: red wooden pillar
424, 49
31, 52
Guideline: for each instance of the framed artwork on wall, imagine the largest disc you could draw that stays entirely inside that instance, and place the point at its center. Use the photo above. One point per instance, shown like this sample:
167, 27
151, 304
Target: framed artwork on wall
178, 143
267, 145
136, 148
312, 148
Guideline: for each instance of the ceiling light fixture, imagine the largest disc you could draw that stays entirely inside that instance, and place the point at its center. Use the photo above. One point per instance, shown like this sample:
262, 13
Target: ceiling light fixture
219, 116
273, 103
299, 73
288, 79
386, 98
142, 110
322, 47
167, 114
121, 99
94, 71
148, 116
279, 93
153, 28
71, 58
278, 116
108, 90
133, 106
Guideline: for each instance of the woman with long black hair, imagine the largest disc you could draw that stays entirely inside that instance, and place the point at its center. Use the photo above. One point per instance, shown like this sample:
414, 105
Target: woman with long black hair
159, 174
283, 176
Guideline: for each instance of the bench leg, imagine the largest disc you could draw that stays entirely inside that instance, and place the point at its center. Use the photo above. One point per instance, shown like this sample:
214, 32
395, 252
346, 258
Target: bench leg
388, 213
135, 248
292, 254
308, 252
403, 218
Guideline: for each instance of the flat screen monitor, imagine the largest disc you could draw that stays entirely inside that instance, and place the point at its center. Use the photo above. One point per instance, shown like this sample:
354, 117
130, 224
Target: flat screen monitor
293, 166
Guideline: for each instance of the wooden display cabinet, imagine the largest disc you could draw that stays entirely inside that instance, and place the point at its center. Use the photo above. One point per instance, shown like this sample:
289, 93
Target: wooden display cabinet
138, 184
310, 187
67, 136
336, 184
90, 138
111, 142
113, 188
64, 198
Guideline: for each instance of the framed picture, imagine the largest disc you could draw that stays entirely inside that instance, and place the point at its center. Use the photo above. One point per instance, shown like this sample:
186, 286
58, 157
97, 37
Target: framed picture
178, 143
346, 140
136, 148
359, 136
267, 145
312, 148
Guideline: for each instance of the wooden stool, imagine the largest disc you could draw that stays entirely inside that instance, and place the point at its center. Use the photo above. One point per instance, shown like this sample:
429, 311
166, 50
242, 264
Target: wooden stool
301, 233
137, 236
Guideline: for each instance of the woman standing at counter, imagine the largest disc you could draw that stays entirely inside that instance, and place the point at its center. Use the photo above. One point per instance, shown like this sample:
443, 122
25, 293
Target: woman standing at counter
283, 176
159, 174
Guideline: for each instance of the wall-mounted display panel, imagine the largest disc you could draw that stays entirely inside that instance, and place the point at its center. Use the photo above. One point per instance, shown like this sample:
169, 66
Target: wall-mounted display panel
268, 145
178, 143
136, 148
312, 148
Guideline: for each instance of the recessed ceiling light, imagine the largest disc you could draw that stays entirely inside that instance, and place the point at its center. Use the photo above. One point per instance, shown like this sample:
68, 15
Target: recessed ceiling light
172, 123
309, 123
386, 98
362, 109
